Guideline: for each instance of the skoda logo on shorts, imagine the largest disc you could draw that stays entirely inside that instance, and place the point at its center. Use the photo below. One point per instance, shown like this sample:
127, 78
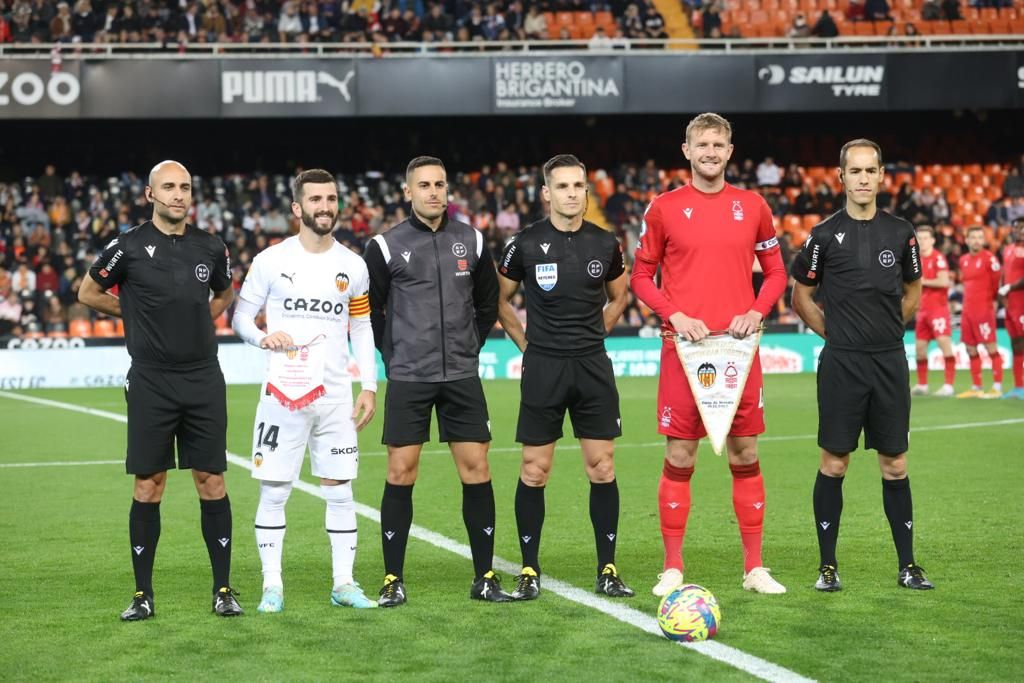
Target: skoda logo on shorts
887, 259
459, 249
202, 272
595, 268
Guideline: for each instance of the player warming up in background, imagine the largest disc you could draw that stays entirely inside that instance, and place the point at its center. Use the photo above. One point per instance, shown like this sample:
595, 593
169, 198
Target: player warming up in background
433, 300
705, 237
316, 294
570, 269
979, 273
933, 321
866, 264
1013, 290
165, 270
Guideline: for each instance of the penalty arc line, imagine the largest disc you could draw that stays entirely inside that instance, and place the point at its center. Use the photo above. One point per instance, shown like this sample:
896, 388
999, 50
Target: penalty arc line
726, 654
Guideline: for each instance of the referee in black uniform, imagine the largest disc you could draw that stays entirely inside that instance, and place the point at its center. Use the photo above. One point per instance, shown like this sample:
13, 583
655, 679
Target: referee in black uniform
433, 299
165, 271
570, 270
867, 265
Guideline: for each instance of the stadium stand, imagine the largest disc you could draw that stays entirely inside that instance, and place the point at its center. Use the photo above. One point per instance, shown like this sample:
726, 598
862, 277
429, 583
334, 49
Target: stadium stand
51, 227
176, 25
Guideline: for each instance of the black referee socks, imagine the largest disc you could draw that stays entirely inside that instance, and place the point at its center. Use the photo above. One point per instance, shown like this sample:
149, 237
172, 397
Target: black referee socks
144, 533
828, 508
395, 520
216, 523
604, 515
478, 514
899, 509
529, 522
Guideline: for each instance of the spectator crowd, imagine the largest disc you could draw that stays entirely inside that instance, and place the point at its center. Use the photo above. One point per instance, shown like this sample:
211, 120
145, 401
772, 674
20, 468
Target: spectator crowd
52, 226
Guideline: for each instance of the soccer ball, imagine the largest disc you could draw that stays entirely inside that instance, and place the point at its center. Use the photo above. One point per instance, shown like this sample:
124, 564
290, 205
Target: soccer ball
689, 613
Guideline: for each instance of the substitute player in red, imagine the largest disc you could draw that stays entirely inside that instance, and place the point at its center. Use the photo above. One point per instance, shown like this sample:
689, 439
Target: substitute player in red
1013, 290
705, 237
979, 273
933, 321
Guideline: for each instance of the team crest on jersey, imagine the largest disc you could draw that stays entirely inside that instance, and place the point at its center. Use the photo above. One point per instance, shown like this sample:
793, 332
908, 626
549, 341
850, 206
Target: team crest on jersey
547, 276
257, 459
706, 374
737, 210
341, 282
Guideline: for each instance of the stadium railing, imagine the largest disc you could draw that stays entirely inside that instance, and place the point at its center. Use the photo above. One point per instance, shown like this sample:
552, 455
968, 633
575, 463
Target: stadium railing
474, 48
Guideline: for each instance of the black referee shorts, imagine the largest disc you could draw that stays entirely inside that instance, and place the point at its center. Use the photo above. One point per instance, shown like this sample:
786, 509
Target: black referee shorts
461, 411
187, 405
868, 391
585, 385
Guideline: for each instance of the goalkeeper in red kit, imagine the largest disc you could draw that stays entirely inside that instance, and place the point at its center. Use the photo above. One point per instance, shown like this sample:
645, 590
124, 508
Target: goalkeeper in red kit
705, 237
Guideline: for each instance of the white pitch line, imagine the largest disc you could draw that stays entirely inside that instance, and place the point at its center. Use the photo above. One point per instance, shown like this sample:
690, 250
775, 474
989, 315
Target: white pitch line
65, 463
755, 666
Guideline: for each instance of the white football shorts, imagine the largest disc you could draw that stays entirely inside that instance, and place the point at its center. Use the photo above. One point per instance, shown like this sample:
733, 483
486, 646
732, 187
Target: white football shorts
280, 437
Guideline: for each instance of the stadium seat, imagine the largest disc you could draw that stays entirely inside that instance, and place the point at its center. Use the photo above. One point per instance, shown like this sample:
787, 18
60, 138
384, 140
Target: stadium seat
1009, 13
792, 193
771, 5
119, 327
864, 28
978, 26
792, 224
954, 194
960, 27
973, 169
999, 26
80, 328
810, 220
604, 19
882, 28
971, 13
565, 18
989, 13
104, 327
797, 239
1017, 26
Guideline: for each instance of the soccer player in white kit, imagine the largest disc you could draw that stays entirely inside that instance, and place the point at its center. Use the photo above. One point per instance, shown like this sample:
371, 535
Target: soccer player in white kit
316, 297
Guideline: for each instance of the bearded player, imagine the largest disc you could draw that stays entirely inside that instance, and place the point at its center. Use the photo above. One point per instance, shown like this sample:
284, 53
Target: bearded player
316, 294
1013, 290
933, 320
705, 237
979, 273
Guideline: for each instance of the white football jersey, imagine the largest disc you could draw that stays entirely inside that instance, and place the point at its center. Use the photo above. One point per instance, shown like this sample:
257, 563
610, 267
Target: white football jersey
311, 297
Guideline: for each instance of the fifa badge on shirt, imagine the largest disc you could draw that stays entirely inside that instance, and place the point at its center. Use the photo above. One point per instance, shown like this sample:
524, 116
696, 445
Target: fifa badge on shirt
547, 275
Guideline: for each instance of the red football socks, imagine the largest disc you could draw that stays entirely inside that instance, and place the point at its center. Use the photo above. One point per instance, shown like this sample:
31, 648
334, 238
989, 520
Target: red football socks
748, 501
922, 372
976, 371
673, 509
1018, 370
950, 370
997, 367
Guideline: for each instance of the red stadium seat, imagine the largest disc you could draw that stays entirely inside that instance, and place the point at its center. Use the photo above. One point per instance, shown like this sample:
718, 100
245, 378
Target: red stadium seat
971, 13
954, 194
1010, 13
882, 28
960, 27
999, 26
604, 19
565, 18
1017, 26
769, 5
792, 224
104, 327
989, 13
810, 220
80, 328
781, 16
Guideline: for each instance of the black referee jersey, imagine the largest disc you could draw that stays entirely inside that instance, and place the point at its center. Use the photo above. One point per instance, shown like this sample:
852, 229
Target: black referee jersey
164, 284
564, 276
860, 268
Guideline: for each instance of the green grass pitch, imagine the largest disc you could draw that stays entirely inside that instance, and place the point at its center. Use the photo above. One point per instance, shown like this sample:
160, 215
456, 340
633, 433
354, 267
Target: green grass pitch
67, 573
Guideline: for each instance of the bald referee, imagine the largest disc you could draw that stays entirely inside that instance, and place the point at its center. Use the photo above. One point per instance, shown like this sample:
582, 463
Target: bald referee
165, 271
